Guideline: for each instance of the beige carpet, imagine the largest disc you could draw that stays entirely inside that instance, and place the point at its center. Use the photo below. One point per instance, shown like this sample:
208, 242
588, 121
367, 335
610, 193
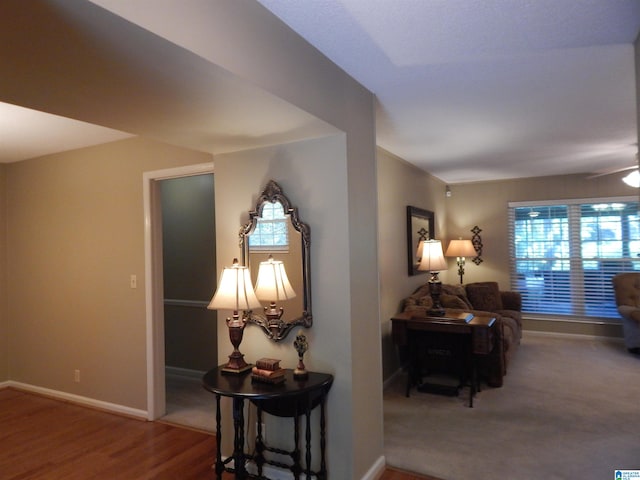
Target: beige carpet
569, 409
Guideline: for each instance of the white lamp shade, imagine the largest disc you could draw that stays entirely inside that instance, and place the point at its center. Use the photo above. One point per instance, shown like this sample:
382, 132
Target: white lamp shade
272, 283
432, 258
235, 290
460, 248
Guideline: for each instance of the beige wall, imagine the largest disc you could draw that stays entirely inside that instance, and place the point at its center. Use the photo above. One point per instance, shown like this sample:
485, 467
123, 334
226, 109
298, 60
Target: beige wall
298, 73
485, 204
269, 54
311, 174
4, 329
75, 235
401, 184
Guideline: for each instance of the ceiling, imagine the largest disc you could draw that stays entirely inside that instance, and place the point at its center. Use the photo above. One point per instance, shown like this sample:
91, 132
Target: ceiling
466, 90
28, 133
479, 90
100, 78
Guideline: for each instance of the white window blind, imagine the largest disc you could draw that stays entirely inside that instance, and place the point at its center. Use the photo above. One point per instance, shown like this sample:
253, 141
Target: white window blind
563, 254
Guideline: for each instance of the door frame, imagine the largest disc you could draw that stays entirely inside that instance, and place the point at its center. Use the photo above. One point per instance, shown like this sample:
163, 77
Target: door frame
153, 280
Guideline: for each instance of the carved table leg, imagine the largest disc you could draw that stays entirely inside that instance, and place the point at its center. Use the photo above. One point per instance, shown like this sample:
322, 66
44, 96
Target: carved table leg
308, 442
296, 468
238, 440
322, 474
219, 464
260, 460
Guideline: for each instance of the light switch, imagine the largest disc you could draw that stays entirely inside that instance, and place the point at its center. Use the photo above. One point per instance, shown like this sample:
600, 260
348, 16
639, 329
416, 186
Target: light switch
134, 281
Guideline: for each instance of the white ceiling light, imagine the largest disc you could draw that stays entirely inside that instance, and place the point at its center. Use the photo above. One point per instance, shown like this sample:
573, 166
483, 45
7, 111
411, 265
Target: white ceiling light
632, 179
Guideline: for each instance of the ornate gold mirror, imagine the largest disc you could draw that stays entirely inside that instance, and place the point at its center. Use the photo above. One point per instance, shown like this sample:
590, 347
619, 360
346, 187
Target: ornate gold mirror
275, 247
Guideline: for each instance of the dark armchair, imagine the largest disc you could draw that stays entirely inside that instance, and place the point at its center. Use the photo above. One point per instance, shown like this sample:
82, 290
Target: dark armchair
627, 289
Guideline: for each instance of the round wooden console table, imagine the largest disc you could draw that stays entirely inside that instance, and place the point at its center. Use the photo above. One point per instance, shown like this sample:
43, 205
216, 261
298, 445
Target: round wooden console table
292, 398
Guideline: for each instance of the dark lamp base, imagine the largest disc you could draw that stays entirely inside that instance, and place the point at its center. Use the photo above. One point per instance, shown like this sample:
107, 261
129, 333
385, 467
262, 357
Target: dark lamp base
236, 364
435, 288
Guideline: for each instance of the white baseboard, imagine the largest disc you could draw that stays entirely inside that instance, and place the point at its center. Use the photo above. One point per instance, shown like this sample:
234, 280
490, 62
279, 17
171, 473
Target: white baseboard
275, 473
577, 336
376, 470
268, 471
374, 473
78, 399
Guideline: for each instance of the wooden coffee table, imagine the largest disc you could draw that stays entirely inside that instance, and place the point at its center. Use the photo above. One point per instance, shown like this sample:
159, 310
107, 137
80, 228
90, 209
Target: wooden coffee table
475, 335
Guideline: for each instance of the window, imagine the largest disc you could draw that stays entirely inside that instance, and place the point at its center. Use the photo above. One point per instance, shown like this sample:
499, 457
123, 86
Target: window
271, 232
563, 254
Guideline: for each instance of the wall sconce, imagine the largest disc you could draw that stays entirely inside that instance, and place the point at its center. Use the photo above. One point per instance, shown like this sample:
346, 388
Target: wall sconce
460, 249
433, 261
235, 292
273, 285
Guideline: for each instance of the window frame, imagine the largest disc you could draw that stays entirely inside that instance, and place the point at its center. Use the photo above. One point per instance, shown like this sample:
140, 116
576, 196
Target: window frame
582, 303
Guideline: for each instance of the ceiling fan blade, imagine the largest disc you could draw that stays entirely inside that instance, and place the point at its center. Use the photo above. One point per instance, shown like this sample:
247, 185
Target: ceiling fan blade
611, 172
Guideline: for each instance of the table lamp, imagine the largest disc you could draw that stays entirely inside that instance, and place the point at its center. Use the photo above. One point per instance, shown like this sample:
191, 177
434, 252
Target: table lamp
434, 262
460, 249
273, 285
235, 292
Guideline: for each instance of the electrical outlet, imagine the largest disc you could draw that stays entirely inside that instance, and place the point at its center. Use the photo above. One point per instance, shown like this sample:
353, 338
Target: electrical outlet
76, 376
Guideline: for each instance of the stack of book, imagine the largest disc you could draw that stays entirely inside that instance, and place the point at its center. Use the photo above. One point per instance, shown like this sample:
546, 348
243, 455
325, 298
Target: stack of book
268, 370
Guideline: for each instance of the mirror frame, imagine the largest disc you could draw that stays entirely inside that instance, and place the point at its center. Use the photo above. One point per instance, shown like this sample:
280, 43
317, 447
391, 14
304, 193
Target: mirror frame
417, 216
273, 193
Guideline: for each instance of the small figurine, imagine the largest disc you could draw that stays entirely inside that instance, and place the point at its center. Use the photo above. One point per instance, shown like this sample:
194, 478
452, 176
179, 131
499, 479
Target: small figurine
301, 346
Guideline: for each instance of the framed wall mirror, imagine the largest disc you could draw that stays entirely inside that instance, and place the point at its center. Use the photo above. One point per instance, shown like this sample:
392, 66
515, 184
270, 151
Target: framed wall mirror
273, 242
420, 226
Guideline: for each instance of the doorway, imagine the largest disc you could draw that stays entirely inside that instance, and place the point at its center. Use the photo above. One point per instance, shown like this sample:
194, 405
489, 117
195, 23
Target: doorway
155, 286
189, 266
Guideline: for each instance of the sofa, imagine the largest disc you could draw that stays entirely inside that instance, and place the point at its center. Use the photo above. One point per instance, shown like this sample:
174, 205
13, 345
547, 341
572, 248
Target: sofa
479, 298
627, 290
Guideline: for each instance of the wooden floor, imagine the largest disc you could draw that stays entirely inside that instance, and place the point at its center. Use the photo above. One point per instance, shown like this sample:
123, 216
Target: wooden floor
41, 438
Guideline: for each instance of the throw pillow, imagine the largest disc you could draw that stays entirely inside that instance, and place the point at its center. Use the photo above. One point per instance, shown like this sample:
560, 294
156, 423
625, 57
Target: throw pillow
453, 301
425, 302
421, 291
485, 296
458, 291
